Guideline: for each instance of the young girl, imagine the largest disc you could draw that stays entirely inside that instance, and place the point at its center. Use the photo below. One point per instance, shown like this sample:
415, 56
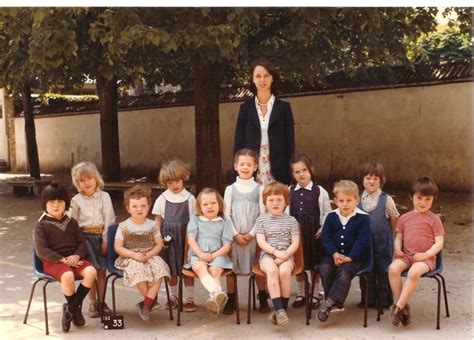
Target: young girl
278, 236
93, 210
383, 220
309, 204
419, 238
138, 243
243, 204
59, 244
209, 237
172, 210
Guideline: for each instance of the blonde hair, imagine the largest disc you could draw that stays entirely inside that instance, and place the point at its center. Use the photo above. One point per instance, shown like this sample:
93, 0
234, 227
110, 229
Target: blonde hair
136, 192
220, 201
173, 170
276, 188
86, 169
346, 187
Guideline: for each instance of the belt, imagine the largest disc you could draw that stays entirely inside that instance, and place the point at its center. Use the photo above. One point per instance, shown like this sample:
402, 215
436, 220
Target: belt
93, 230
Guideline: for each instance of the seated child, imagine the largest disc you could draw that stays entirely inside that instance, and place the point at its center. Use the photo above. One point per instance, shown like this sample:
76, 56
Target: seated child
59, 244
278, 236
209, 237
138, 243
346, 240
419, 237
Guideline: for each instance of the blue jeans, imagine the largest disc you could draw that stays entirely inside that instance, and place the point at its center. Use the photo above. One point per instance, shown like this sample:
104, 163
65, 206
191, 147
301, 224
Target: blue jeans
336, 280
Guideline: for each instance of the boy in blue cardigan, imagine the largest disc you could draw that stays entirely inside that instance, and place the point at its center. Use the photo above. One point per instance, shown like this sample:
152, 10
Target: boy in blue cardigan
346, 241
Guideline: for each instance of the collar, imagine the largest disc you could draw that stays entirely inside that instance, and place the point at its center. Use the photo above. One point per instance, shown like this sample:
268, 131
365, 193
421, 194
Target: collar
356, 211
94, 195
373, 195
45, 214
205, 219
182, 194
270, 101
248, 181
309, 186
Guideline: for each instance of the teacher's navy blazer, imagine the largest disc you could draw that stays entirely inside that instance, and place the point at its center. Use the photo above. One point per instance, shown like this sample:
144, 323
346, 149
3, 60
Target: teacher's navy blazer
281, 135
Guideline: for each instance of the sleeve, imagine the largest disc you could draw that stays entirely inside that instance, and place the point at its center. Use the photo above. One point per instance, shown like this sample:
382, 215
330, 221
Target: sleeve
159, 206
156, 229
192, 205
437, 226
192, 226
108, 212
326, 239
287, 208
391, 210
361, 245
228, 232
41, 245
119, 234
258, 227
295, 228
239, 135
228, 207
80, 242
74, 208
290, 131
324, 205
401, 224
260, 201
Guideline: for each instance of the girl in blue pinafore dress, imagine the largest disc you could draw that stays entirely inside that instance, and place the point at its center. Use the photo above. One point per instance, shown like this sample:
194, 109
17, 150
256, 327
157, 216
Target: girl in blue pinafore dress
172, 210
209, 236
309, 204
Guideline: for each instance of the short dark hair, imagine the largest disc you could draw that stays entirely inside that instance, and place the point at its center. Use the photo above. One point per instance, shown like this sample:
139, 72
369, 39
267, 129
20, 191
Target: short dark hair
374, 169
136, 192
425, 186
246, 152
304, 158
54, 191
267, 65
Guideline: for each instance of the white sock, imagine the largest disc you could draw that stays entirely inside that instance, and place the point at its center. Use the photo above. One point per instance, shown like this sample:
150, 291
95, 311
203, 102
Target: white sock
299, 288
210, 284
189, 292
174, 290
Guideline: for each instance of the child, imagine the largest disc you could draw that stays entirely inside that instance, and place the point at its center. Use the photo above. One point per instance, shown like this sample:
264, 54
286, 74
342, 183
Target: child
309, 204
383, 219
59, 244
209, 237
138, 243
419, 238
278, 236
172, 210
346, 240
243, 204
93, 210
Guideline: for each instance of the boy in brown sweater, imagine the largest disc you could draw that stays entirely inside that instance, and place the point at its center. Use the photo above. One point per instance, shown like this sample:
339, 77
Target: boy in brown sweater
59, 244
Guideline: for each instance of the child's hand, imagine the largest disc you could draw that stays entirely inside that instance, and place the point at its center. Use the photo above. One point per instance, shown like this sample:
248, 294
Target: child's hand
420, 257
337, 258
281, 254
398, 254
139, 257
344, 259
240, 240
278, 261
104, 248
318, 233
206, 257
72, 260
247, 237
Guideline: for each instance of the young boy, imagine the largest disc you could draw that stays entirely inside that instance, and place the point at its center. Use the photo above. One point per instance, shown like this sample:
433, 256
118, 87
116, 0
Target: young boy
419, 237
345, 238
59, 244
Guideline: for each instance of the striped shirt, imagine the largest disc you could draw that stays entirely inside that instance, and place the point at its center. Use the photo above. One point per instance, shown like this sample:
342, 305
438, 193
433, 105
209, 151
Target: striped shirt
277, 230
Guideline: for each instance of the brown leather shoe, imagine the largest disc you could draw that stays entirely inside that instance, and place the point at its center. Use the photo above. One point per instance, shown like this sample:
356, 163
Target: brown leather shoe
396, 315
406, 315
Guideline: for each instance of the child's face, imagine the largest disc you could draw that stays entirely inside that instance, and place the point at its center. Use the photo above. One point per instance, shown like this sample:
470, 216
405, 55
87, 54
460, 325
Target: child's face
346, 202
245, 166
138, 209
87, 185
209, 205
371, 183
56, 208
175, 186
275, 204
301, 173
422, 203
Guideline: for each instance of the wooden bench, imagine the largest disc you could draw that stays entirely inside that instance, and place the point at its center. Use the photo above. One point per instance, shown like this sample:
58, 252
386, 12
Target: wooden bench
26, 185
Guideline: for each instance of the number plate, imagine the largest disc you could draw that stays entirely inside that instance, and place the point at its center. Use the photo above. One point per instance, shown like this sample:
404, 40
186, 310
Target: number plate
113, 322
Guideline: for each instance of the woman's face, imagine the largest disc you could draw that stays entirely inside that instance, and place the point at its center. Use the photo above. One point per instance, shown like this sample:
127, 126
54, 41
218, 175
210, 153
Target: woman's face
262, 79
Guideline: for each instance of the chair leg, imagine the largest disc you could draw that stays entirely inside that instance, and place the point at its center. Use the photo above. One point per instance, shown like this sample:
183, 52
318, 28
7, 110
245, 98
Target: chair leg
168, 297
251, 288
31, 298
180, 299
236, 292
445, 295
379, 300
253, 295
366, 282
113, 295
306, 297
439, 301
45, 302
101, 302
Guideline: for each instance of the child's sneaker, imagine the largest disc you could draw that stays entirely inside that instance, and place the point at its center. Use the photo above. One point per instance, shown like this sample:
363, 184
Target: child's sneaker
189, 306
173, 303
221, 299
272, 317
143, 313
325, 309
212, 306
281, 317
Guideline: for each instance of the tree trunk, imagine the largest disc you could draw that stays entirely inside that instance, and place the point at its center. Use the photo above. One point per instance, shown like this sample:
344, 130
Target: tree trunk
207, 80
109, 134
30, 131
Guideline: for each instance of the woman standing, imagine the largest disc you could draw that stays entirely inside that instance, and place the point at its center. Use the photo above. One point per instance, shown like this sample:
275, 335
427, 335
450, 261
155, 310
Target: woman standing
265, 124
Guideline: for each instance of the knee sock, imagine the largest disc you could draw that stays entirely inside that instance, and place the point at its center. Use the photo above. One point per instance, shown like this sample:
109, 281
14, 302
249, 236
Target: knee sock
70, 298
299, 288
147, 303
81, 293
189, 292
277, 303
262, 295
284, 301
210, 284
